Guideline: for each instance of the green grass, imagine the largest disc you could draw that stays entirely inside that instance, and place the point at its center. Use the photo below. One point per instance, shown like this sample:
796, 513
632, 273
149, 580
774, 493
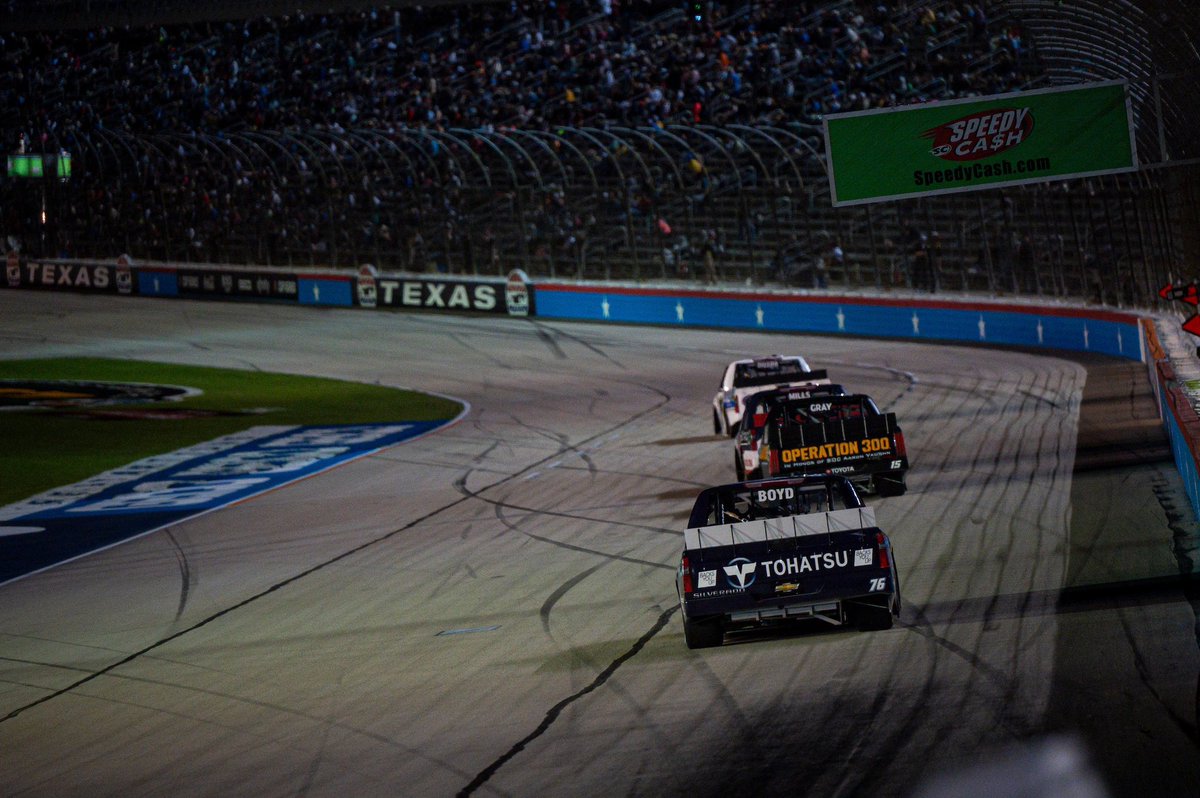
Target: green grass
45, 448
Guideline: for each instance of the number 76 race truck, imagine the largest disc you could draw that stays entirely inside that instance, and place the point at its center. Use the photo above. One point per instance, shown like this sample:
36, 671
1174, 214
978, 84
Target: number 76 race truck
767, 552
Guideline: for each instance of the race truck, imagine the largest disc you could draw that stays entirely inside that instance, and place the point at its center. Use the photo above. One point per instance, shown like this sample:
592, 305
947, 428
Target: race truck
844, 435
744, 377
754, 419
767, 552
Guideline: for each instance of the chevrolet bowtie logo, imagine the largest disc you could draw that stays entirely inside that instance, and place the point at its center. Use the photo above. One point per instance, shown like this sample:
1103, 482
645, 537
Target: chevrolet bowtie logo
787, 587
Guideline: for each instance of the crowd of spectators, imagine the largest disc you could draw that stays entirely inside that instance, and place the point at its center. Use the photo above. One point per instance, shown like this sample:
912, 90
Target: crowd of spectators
525, 64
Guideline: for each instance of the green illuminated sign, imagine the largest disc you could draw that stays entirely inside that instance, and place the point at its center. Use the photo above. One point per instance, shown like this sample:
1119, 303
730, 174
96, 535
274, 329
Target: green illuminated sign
966, 145
22, 165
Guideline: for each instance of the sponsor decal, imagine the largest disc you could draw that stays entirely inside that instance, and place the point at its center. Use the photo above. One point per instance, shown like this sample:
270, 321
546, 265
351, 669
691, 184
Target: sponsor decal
15, 394
286, 287
774, 494
824, 561
263, 285
68, 276
867, 446
516, 293
438, 295
981, 134
165, 489
124, 275
740, 573
13, 270
366, 290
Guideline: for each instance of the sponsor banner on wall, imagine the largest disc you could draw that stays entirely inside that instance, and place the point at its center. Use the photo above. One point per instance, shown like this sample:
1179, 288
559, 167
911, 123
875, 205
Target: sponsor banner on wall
215, 283
60, 276
512, 296
326, 290
966, 145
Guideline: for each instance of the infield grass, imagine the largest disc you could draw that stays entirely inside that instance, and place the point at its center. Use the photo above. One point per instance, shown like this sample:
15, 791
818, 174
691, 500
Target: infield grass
43, 448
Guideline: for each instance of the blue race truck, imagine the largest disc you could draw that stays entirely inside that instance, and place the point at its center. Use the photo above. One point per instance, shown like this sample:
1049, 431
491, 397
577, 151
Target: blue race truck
771, 551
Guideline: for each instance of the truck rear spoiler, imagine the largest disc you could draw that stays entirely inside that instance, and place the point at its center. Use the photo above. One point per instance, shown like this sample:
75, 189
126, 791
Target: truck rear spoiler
788, 528
836, 431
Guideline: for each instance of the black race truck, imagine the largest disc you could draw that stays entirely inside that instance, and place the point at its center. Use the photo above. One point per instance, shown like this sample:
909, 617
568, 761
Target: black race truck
844, 435
773, 551
754, 418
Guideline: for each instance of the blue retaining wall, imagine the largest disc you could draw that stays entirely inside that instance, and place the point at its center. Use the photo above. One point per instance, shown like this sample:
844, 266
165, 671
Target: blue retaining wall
1101, 331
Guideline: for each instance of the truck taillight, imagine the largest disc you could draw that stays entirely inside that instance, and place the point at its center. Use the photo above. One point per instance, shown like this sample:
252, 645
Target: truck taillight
686, 567
884, 561
774, 462
900, 448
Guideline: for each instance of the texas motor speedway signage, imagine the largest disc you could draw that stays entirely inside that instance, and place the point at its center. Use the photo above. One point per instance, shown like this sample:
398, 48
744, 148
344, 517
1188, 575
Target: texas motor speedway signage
512, 296
965, 145
60, 276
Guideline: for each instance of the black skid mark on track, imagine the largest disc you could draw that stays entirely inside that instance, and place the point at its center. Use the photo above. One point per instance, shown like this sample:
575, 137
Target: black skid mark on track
555, 711
562, 590
186, 579
561, 439
500, 507
1186, 547
461, 485
316, 568
581, 341
550, 343
231, 609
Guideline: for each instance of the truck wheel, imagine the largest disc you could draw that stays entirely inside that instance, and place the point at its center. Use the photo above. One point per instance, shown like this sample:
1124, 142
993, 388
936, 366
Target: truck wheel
871, 617
889, 486
737, 468
716, 423
702, 634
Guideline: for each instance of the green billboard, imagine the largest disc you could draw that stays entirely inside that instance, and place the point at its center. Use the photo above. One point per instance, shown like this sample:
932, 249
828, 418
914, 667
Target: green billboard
981, 142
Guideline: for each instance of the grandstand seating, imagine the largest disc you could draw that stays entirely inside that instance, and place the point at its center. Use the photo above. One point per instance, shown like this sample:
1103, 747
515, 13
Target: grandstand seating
555, 137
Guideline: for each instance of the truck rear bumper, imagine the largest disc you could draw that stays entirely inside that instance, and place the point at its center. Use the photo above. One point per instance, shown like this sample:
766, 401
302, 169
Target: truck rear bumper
828, 611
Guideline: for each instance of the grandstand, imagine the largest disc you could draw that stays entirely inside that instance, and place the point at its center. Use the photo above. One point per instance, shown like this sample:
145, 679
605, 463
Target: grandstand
603, 140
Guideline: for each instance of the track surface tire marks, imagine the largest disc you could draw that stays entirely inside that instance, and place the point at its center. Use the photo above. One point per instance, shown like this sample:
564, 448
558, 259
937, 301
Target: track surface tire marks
291, 644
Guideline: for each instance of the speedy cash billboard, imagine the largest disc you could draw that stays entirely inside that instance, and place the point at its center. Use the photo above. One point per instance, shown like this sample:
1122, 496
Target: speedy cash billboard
965, 145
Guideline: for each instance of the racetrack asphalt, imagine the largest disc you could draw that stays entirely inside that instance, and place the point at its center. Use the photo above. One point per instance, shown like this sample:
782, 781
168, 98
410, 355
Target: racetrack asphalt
491, 609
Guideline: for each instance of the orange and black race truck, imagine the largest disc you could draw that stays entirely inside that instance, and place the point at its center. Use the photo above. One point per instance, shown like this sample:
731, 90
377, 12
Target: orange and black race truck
844, 435
762, 553
754, 417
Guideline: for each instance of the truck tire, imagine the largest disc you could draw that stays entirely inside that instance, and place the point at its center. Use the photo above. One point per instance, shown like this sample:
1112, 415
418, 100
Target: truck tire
716, 423
702, 634
871, 617
737, 468
890, 486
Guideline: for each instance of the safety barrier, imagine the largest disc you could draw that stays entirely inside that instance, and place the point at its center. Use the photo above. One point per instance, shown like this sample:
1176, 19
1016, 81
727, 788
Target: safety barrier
914, 318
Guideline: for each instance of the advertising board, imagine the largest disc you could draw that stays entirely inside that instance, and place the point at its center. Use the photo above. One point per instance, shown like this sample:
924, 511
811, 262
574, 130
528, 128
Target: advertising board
966, 145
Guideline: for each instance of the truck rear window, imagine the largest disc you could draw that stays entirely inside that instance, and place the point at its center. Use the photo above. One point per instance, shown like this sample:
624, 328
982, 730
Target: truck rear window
768, 372
731, 505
